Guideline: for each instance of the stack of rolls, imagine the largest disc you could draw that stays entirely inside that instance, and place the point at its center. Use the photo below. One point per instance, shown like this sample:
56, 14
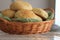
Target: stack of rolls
22, 18
24, 10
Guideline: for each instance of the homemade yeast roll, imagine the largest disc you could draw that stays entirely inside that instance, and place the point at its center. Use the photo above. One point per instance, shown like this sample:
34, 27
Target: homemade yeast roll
27, 14
8, 13
20, 5
42, 13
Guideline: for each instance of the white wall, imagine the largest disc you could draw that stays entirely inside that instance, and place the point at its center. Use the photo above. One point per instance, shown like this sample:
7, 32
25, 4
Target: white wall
39, 3
4, 4
57, 13
35, 3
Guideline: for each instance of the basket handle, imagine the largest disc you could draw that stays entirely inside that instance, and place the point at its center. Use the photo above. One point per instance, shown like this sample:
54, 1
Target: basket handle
50, 9
3, 20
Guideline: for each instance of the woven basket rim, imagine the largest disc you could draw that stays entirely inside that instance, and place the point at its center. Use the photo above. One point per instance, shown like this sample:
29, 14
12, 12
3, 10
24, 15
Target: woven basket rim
33, 22
3, 20
6, 21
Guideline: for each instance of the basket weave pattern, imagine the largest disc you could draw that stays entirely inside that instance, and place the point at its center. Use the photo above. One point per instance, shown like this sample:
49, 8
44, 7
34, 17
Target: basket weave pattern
26, 28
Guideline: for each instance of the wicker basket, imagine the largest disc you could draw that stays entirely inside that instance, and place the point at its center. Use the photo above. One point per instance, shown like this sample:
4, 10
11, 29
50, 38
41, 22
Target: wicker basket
26, 28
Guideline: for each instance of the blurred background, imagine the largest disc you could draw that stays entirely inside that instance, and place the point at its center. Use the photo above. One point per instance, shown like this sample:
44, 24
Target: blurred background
37, 4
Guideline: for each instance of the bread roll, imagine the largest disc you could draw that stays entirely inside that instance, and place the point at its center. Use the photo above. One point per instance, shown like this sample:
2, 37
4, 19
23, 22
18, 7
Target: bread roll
18, 5
40, 12
8, 13
27, 14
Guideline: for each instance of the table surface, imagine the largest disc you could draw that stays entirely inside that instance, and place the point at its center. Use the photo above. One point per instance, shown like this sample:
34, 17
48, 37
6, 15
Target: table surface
46, 36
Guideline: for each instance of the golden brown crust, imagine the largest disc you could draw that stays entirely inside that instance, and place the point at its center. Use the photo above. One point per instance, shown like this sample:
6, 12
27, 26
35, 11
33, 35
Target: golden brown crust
27, 14
25, 28
18, 5
8, 13
42, 13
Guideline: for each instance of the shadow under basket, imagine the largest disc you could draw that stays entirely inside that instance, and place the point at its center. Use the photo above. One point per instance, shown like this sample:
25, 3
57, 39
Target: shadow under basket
25, 28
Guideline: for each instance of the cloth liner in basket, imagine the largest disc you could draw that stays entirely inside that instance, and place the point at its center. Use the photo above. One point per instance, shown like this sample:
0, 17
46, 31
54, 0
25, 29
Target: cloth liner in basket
26, 28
